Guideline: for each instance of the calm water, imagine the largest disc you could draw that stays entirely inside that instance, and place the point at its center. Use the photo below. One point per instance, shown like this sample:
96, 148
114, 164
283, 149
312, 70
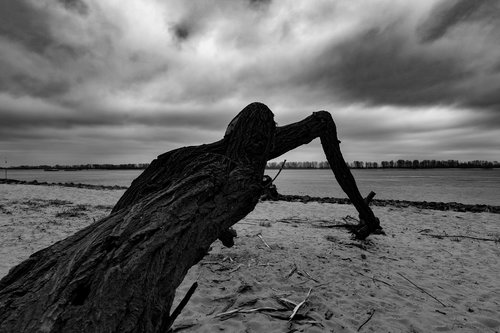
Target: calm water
459, 185
94, 177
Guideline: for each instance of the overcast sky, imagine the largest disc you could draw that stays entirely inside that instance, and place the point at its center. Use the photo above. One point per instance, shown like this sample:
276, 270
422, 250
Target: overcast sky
113, 81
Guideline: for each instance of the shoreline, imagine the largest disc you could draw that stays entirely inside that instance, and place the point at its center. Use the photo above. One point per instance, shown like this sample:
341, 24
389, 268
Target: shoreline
77, 185
432, 205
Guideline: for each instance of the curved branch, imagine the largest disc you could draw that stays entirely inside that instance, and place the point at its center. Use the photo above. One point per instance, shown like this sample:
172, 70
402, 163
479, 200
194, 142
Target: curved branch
320, 124
291, 136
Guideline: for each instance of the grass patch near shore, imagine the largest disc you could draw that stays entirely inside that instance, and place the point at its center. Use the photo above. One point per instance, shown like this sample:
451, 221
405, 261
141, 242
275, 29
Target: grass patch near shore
37, 204
76, 211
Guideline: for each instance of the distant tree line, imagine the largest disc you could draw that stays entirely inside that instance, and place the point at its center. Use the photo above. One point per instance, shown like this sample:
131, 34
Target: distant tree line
127, 166
399, 164
299, 165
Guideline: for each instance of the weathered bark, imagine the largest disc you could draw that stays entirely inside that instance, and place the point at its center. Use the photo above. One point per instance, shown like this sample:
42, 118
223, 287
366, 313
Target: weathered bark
120, 273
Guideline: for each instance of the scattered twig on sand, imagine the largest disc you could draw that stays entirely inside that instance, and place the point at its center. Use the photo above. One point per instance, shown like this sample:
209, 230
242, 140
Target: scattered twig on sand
181, 306
441, 312
374, 279
230, 301
240, 310
262, 239
349, 217
421, 289
322, 284
298, 306
293, 270
312, 322
304, 273
329, 224
461, 236
266, 264
286, 302
235, 269
371, 315
293, 220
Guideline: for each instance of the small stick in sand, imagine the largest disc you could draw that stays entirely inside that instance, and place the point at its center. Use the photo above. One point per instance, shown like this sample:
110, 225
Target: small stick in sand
288, 303
239, 310
462, 236
293, 270
349, 217
311, 277
296, 309
181, 306
235, 269
371, 315
262, 239
421, 289
374, 278
305, 274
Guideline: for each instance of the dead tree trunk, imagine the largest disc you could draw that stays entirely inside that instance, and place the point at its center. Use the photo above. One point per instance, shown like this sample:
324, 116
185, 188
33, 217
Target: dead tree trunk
120, 274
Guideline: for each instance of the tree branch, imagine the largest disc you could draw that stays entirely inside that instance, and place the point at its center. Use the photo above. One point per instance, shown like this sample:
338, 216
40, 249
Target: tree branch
320, 124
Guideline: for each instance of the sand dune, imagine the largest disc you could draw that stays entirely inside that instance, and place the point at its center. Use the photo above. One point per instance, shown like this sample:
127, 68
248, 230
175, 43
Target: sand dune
405, 281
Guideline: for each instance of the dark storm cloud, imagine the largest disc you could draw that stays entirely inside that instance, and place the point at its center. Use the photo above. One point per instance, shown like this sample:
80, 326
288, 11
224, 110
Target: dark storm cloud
67, 120
445, 16
31, 54
386, 63
21, 23
78, 6
21, 84
259, 3
374, 67
181, 31
29, 23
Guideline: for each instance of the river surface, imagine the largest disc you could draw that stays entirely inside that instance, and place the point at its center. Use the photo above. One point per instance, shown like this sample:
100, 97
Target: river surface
469, 186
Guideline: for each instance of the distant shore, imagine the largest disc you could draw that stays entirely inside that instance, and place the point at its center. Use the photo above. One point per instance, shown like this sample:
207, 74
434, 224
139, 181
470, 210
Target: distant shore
451, 206
442, 206
78, 185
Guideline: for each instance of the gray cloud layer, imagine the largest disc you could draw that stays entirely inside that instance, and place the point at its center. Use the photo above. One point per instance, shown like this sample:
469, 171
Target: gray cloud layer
184, 66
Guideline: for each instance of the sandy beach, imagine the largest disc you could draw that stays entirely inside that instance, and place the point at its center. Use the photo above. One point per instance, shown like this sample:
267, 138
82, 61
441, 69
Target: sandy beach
289, 256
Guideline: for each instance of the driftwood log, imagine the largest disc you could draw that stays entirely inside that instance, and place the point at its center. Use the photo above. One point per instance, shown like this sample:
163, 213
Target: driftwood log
120, 273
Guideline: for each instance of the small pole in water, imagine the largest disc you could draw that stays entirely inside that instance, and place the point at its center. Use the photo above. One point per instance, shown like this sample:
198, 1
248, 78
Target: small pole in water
6, 168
